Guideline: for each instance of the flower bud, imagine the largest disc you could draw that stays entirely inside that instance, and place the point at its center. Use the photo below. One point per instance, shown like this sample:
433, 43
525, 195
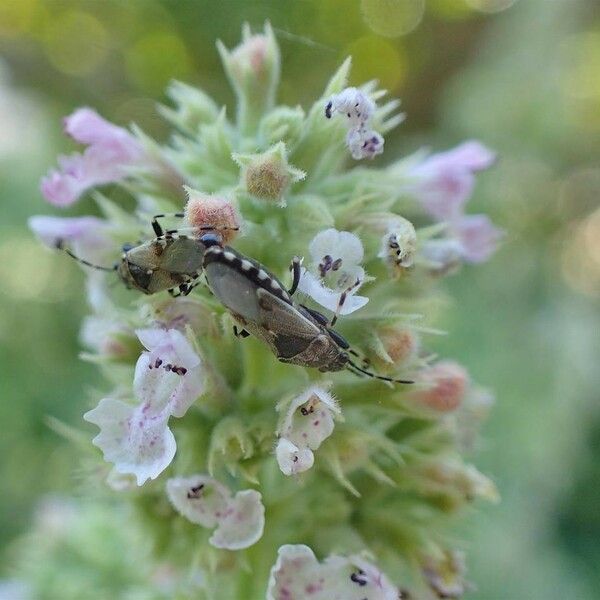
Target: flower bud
253, 69
205, 212
396, 345
267, 176
446, 383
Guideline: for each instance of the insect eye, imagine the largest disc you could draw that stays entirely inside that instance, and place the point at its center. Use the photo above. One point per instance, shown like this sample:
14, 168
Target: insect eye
211, 239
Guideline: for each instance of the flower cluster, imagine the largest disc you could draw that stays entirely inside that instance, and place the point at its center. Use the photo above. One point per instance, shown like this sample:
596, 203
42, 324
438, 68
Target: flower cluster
226, 453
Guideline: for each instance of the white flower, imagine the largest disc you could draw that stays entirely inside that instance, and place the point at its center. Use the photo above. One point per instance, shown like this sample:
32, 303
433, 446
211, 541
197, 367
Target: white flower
399, 245
239, 519
364, 143
336, 257
134, 441
308, 421
291, 459
168, 379
298, 575
356, 108
352, 104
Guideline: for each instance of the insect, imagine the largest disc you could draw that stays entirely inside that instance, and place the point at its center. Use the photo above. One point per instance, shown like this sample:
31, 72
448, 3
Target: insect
254, 297
171, 261
262, 306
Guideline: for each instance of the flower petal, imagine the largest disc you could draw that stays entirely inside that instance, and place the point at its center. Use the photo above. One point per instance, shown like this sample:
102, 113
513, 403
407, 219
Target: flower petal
199, 498
328, 298
338, 244
239, 521
309, 418
170, 376
111, 149
243, 523
130, 439
297, 575
478, 236
291, 459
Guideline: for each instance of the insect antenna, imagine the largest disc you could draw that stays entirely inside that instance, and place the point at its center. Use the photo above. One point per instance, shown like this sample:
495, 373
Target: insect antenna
374, 375
60, 246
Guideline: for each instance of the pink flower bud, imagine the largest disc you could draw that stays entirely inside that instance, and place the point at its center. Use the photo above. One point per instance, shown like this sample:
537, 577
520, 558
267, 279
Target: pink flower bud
399, 344
204, 211
447, 383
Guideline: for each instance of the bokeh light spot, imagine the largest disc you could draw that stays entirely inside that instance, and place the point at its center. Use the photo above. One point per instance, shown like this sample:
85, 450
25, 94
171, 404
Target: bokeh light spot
157, 58
392, 18
76, 42
16, 17
375, 58
491, 6
452, 10
582, 75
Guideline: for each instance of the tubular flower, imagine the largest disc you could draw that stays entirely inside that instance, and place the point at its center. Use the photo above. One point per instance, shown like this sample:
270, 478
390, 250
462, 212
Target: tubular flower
168, 379
297, 574
239, 519
304, 431
357, 109
308, 421
445, 181
110, 151
335, 273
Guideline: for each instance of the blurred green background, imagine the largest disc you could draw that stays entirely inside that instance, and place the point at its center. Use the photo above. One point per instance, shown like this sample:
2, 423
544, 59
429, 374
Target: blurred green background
523, 76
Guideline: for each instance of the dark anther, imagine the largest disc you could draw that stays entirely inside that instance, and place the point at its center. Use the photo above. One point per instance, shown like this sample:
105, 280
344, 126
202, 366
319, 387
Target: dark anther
328, 110
168, 367
179, 370
307, 411
157, 362
325, 265
359, 578
336, 264
349, 115
195, 492
295, 459
394, 244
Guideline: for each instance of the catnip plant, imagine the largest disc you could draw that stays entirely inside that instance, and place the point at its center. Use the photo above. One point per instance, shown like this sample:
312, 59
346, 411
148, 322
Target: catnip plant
250, 477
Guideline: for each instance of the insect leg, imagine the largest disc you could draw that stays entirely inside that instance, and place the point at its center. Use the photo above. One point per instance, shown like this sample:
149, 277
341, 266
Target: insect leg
295, 268
342, 300
158, 230
354, 366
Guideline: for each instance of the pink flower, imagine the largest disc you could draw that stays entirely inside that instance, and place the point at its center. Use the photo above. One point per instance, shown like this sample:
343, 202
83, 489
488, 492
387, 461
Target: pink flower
478, 237
445, 181
110, 151
88, 237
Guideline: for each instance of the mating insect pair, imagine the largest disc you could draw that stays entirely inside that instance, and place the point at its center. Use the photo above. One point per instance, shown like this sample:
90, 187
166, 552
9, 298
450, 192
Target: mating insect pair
254, 297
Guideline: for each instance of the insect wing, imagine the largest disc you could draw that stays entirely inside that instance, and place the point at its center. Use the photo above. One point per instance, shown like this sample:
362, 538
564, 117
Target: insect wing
182, 255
